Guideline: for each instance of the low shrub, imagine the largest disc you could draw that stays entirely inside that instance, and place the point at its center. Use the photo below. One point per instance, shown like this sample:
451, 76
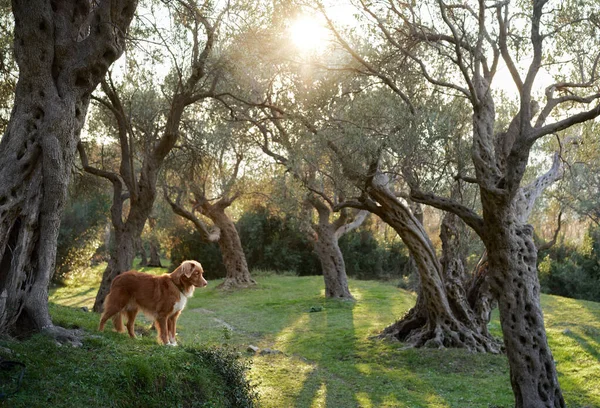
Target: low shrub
276, 243
571, 271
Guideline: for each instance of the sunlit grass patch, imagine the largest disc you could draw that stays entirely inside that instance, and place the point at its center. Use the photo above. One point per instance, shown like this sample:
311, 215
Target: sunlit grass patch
328, 357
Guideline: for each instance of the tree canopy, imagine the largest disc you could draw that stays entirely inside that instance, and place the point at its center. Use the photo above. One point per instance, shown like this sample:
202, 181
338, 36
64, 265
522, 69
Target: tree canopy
452, 126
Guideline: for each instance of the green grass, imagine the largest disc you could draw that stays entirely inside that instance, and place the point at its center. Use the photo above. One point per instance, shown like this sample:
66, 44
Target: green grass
109, 371
328, 358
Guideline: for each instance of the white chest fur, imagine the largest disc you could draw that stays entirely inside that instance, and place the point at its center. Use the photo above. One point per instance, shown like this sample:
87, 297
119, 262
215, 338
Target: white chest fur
180, 303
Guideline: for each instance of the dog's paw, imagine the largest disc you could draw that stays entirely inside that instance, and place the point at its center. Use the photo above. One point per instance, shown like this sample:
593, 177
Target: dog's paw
172, 343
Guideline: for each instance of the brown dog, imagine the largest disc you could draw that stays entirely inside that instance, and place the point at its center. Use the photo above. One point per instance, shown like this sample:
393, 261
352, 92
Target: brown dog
161, 298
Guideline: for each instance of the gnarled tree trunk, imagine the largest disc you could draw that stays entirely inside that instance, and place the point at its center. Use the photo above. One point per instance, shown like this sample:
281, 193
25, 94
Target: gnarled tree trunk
63, 48
223, 232
238, 274
325, 237
512, 254
142, 191
439, 319
121, 258
139, 248
154, 253
332, 261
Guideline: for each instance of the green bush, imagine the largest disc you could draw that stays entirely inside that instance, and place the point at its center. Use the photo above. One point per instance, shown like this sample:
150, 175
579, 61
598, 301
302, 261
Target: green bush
188, 244
570, 271
366, 258
81, 227
275, 243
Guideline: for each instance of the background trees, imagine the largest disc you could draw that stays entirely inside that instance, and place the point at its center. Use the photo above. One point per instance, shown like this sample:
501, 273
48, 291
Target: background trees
471, 53
193, 77
408, 105
209, 172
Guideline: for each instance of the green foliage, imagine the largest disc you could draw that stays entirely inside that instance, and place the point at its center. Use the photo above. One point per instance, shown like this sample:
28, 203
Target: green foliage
232, 370
186, 243
274, 242
570, 271
366, 258
81, 227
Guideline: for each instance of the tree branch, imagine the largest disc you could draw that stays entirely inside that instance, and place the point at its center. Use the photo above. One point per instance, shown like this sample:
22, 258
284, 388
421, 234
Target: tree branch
549, 244
466, 214
212, 235
359, 218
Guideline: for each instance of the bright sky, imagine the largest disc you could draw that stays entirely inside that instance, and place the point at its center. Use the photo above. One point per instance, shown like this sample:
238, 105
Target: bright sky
308, 34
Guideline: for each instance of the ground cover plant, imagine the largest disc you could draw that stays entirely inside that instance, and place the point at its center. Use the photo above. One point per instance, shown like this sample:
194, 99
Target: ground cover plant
316, 352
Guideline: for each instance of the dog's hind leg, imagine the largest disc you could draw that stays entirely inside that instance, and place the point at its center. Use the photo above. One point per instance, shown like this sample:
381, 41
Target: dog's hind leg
117, 320
110, 310
131, 314
113, 305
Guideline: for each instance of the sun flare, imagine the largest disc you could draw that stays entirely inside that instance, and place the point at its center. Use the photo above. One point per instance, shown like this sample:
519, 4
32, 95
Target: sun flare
308, 34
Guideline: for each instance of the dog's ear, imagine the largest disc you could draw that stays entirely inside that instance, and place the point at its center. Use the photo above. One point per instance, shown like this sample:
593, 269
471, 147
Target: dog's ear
187, 268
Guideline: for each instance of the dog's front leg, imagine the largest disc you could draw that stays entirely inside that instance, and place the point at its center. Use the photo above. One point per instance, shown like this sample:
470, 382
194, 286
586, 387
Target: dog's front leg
161, 327
172, 326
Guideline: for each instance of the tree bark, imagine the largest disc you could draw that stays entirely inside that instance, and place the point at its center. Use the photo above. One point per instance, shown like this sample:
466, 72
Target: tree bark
142, 191
512, 254
63, 49
121, 260
223, 232
154, 253
324, 237
238, 274
332, 262
139, 247
440, 318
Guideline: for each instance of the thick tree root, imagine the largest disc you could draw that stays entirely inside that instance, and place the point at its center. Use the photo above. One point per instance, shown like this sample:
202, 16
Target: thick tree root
234, 284
71, 337
416, 331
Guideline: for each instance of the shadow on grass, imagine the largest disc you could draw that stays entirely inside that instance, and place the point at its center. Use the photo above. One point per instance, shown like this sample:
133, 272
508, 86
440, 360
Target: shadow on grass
345, 369
81, 298
591, 346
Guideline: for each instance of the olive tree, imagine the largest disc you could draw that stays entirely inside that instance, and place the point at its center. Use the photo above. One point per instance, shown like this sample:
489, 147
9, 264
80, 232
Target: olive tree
62, 49
459, 47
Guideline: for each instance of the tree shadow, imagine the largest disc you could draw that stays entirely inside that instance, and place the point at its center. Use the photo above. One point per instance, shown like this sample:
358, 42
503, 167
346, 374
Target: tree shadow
345, 367
591, 346
86, 295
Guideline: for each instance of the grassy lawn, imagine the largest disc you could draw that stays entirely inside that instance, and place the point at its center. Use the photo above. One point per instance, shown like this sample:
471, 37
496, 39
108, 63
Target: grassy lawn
328, 359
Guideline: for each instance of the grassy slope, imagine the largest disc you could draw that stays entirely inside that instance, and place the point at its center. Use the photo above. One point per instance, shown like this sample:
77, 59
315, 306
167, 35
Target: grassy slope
329, 360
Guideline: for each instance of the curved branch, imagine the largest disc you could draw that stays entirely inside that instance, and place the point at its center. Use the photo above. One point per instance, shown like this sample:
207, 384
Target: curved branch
212, 235
549, 244
359, 218
466, 214
116, 209
564, 124
529, 194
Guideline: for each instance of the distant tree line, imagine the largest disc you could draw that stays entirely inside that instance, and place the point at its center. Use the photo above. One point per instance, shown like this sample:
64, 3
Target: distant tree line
274, 242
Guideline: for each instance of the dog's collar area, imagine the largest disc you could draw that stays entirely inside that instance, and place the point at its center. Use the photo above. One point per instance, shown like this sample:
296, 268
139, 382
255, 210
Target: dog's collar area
187, 293
183, 292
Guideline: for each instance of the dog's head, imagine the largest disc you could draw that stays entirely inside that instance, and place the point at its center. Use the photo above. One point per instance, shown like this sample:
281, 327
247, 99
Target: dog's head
191, 272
